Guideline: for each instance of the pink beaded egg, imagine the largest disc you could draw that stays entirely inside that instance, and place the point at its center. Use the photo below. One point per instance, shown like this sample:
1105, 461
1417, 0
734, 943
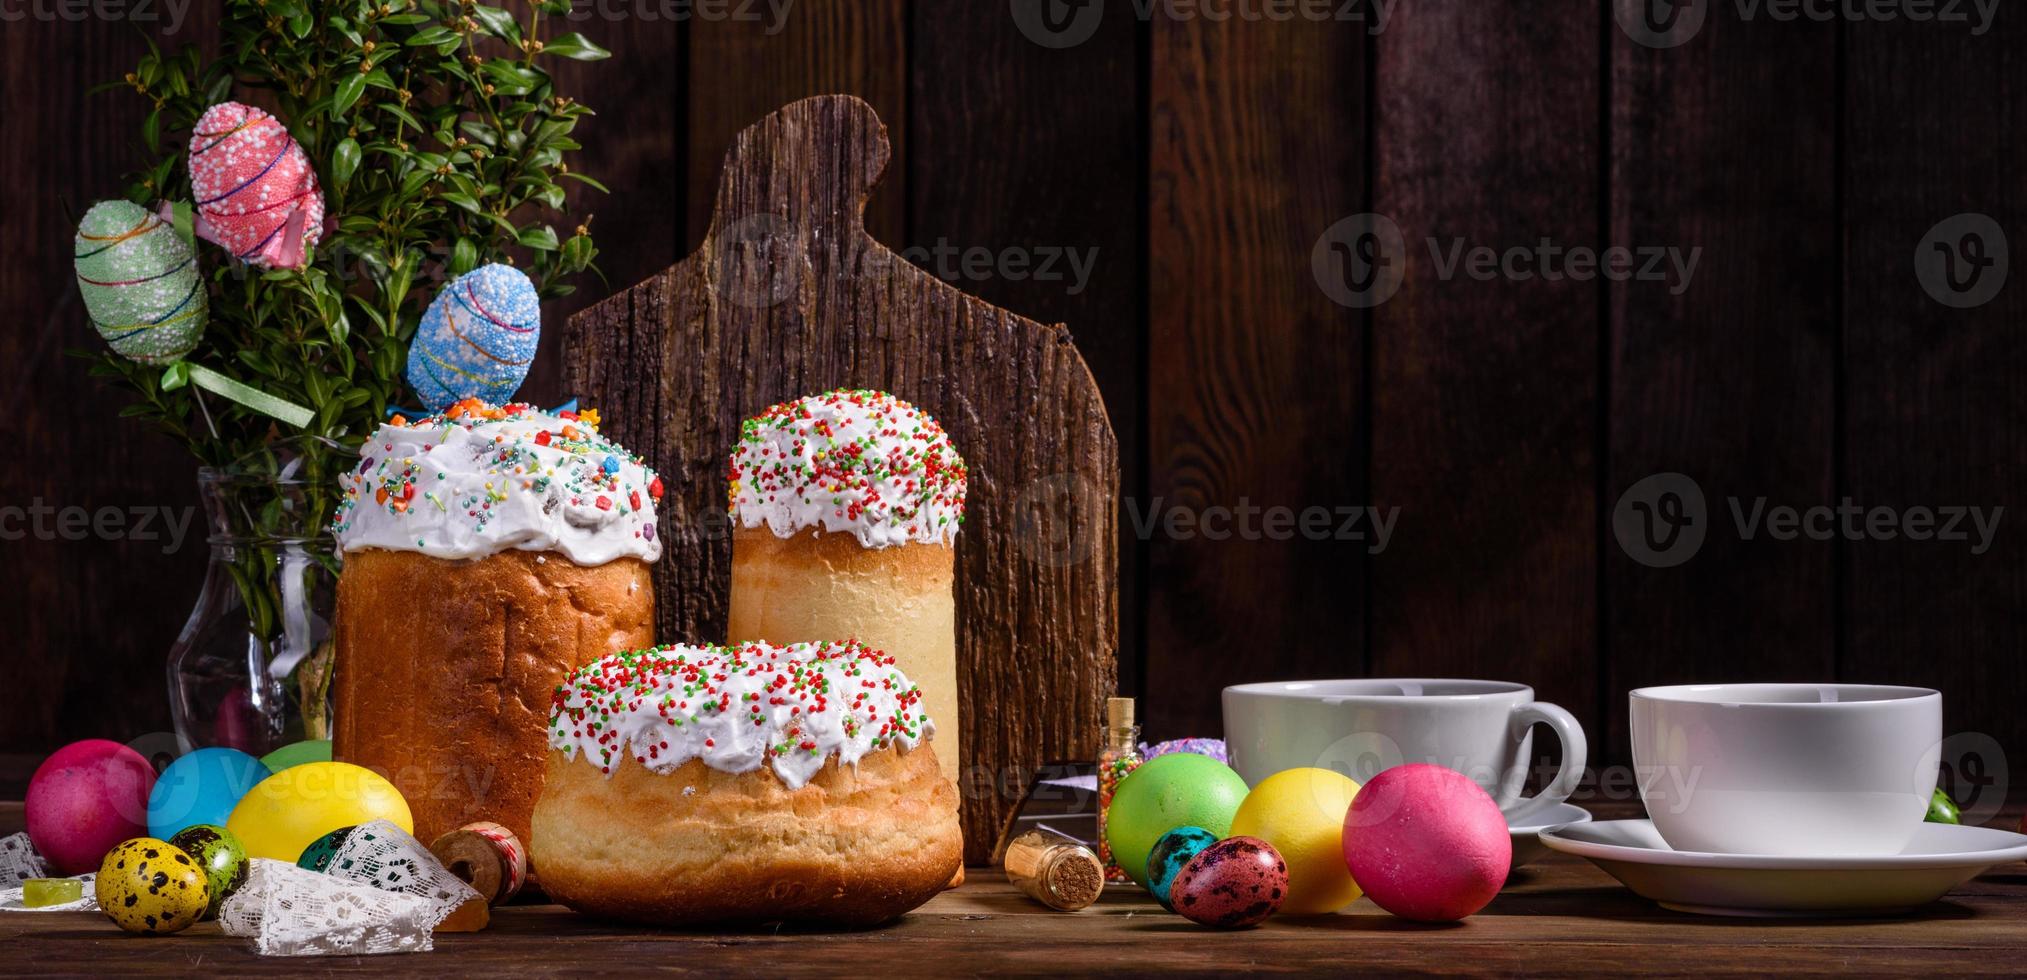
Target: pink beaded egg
257, 196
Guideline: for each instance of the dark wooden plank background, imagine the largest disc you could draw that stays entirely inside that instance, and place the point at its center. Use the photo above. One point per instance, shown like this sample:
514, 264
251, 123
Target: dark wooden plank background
1196, 165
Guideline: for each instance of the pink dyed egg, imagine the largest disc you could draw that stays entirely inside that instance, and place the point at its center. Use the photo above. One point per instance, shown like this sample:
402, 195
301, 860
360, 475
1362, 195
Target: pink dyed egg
1426, 843
1235, 883
84, 800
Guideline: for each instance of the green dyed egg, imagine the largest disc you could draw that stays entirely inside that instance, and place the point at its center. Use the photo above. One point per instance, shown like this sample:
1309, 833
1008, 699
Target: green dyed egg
221, 855
1181, 789
319, 855
140, 282
297, 753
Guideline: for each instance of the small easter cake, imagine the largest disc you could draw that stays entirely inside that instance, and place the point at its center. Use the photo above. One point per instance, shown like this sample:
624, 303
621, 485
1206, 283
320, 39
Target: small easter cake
489, 551
846, 508
744, 784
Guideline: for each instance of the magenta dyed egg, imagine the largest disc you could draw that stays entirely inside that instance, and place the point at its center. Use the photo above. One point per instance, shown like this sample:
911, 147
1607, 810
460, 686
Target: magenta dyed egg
84, 800
1426, 843
1235, 883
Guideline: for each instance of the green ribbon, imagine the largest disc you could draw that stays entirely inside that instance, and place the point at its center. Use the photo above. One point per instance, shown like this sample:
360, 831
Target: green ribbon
244, 394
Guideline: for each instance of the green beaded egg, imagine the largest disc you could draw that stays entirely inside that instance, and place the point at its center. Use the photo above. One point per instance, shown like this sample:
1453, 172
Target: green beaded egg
140, 282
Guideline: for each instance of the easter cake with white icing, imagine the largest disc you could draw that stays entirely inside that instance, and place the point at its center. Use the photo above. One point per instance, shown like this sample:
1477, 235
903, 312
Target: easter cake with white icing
845, 509
692, 785
488, 551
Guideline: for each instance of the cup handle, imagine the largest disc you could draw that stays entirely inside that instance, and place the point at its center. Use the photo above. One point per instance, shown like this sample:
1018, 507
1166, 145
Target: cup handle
1575, 749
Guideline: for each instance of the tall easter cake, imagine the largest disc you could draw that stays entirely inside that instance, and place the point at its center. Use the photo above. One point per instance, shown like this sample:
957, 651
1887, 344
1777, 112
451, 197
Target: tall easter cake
846, 507
488, 552
751, 783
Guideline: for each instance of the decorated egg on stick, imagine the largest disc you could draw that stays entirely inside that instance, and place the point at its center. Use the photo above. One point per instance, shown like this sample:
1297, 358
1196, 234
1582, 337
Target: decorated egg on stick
477, 338
140, 283
257, 196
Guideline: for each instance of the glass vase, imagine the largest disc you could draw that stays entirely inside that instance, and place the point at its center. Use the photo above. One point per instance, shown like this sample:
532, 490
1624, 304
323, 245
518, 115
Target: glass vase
251, 669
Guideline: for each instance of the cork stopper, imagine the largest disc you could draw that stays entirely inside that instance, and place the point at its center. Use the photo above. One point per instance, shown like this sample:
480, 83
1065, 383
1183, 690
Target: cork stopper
1118, 712
1074, 879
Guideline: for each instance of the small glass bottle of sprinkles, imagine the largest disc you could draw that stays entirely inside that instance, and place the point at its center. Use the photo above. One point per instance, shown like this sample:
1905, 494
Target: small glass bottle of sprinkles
1121, 755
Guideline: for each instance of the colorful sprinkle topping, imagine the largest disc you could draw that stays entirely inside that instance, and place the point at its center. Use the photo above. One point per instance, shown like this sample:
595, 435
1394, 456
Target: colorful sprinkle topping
848, 460
738, 707
477, 479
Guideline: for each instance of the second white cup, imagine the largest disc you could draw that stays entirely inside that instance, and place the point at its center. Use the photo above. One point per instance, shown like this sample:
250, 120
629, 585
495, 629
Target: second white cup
1786, 769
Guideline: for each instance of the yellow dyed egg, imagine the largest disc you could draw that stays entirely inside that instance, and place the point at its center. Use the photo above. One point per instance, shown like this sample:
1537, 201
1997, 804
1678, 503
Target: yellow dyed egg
1301, 812
289, 810
150, 887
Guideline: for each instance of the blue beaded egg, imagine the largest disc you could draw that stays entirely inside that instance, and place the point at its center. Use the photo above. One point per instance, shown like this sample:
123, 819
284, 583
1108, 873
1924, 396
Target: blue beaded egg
477, 339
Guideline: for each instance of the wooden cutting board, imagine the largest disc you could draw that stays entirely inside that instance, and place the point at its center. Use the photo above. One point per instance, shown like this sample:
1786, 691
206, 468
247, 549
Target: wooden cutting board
790, 296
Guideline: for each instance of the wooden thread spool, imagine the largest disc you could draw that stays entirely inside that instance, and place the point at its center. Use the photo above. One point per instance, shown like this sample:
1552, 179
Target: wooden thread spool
486, 856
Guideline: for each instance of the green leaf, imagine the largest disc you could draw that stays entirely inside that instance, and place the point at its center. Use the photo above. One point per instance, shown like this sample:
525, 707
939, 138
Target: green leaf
577, 253
465, 201
576, 47
405, 20
509, 78
300, 24
580, 178
464, 257
344, 160
498, 23
151, 131
348, 92
431, 36
543, 238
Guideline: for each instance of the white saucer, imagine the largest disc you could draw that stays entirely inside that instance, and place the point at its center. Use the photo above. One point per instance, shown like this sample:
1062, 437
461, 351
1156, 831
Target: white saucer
1527, 845
1940, 857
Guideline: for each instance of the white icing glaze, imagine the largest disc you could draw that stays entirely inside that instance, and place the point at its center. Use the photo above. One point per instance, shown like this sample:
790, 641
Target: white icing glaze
863, 462
480, 480
738, 708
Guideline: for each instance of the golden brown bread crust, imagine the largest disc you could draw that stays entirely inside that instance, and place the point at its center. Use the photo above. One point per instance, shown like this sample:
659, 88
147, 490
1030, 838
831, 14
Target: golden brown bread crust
446, 670
856, 845
813, 588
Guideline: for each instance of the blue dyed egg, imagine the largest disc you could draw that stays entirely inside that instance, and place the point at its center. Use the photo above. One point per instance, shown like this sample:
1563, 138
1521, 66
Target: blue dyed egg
478, 338
1170, 853
202, 787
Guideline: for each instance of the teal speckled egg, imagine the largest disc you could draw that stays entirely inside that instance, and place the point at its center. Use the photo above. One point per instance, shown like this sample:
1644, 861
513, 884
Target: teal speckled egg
1170, 853
140, 282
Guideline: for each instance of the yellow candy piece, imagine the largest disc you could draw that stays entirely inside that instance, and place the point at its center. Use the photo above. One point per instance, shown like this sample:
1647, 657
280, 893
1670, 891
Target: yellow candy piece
39, 893
1301, 812
291, 809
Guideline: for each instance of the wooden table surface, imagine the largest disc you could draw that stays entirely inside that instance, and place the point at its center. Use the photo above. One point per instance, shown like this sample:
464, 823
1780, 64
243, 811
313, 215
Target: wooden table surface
1560, 917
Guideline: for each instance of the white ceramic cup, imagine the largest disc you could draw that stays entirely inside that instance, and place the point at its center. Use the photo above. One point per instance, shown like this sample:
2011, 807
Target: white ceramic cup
1787, 769
1483, 729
